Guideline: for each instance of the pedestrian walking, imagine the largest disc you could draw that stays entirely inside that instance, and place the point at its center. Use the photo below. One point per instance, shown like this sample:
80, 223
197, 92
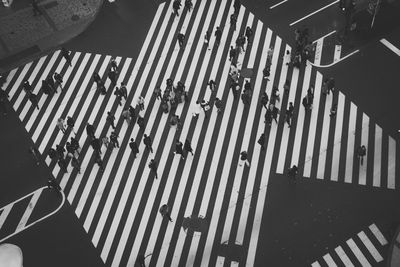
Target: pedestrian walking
306, 103
110, 119
35, 153
52, 184
165, 212
34, 100
60, 151
62, 163
36, 9
264, 99
147, 142
361, 152
153, 167
248, 34
174, 121
98, 161
232, 54
243, 158
113, 64
292, 172
188, 5
236, 6
205, 105
235, 87
46, 88
50, 81
90, 130
75, 145
112, 75
289, 114
176, 6
268, 116
126, 115
60, 125
196, 109
240, 42
218, 35
188, 147
331, 85
261, 141
207, 37
96, 78
118, 94
124, 91
140, 102
140, 122
96, 144
181, 38
218, 104
76, 164
66, 55
52, 154
275, 112
71, 124
58, 80
233, 21
27, 87
105, 141
212, 85
333, 111
114, 139
179, 148
134, 147
157, 93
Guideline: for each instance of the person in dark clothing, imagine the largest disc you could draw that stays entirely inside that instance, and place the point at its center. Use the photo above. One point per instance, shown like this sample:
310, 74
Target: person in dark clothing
52, 184
66, 55
153, 167
46, 88
90, 130
264, 99
306, 102
140, 122
52, 154
261, 141
275, 112
218, 104
110, 119
292, 172
98, 160
268, 116
181, 38
188, 5
289, 114
361, 152
205, 106
114, 139
60, 150
179, 149
123, 90
36, 9
157, 93
207, 37
76, 164
134, 147
165, 212
249, 34
75, 145
243, 157
113, 64
118, 94
188, 147
236, 6
71, 123
35, 153
218, 35
34, 100
58, 81
96, 145
62, 163
333, 111
27, 87
96, 78
112, 75
232, 53
176, 6
50, 81
233, 21
147, 142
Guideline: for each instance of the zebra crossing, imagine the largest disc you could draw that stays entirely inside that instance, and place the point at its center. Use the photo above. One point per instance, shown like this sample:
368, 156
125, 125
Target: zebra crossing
119, 206
365, 249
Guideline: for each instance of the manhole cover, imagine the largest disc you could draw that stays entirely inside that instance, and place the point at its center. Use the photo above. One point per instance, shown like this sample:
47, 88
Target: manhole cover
75, 17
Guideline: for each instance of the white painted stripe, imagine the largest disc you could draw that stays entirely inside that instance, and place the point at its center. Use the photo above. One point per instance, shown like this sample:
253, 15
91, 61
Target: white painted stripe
348, 178
248, 128
313, 13
4, 214
37, 88
31, 78
326, 35
324, 137
193, 248
371, 248
315, 264
357, 252
256, 152
206, 145
29, 209
328, 259
220, 261
364, 141
286, 131
313, 127
379, 236
318, 51
234, 263
19, 80
391, 164
390, 46
342, 255
278, 4
338, 53
377, 156
337, 141
335, 62
46, 115
300, 119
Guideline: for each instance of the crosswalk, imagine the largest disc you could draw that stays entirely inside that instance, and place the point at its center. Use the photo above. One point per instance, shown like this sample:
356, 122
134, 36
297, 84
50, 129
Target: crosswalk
365, 249
118, 207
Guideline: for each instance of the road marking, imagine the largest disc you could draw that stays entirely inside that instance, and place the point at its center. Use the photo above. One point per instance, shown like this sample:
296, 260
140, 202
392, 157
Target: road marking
390, 46
315, 264
328, 259
364, 141
333, 63
29, 209
391, 163
378, 234
338, 51
326, 35
313, 13
338, 138
377, 156
278, 4
350, 143
4, 214
357, 252
371, 248
342, 255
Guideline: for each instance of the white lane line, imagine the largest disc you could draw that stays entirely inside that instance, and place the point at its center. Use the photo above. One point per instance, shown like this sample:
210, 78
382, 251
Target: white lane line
344, 258
364, 141
390, 46
313, 13
328, 259
46, 115
286, 130
377, 156
348, 178
334, 63
338, 138
278, 4
191, 201
4, 214
379, 236
246, 137
324, 137
338, 52
357, 252
318, 51
315, 264
326, 35
313, 127
301, 115
371, 248
391, 163
29, 209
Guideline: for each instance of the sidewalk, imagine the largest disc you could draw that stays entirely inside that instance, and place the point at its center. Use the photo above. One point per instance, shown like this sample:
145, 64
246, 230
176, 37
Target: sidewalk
23, 35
